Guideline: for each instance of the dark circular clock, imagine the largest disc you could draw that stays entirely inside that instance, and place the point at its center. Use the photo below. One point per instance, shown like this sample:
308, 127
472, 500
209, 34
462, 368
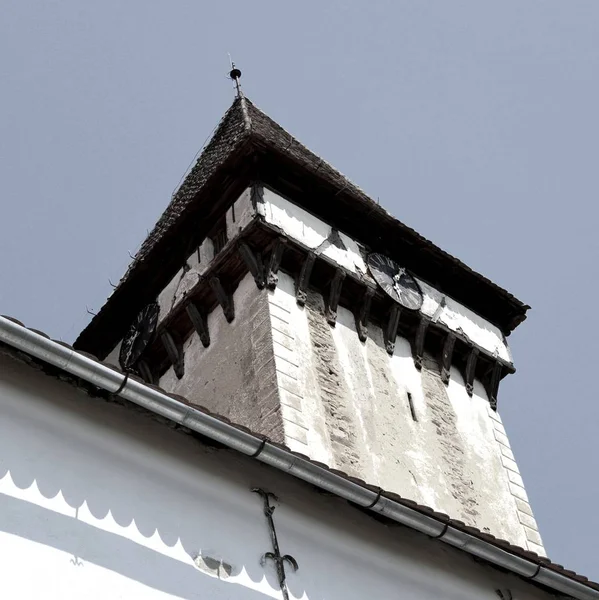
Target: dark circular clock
139, 335
395, 281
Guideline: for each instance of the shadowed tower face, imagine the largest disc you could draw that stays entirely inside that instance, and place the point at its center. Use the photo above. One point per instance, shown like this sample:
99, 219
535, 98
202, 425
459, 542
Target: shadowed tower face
274, 292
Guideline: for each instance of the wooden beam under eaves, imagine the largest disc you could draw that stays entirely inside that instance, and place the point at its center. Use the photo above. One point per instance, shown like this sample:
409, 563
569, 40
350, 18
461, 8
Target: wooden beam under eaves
303, 280
199, 322
224, 299
363, 314
334, 294
390, 330
272, 277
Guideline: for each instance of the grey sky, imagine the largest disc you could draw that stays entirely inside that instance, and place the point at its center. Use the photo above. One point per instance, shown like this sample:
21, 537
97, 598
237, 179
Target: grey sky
474, 122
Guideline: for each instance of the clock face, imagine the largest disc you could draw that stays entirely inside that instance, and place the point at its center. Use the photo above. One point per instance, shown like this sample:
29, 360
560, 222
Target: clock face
395, 281
139, 336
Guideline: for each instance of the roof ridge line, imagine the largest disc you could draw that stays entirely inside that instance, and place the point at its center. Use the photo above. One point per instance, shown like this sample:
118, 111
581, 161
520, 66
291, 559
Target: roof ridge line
247, 120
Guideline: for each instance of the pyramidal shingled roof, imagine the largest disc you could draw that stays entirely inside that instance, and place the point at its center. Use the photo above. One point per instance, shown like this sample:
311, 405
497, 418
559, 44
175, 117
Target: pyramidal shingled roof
245, 130
243, 122
233, 130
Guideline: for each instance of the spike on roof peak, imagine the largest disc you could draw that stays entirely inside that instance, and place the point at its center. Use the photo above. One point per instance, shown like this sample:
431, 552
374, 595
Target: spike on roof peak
235, 75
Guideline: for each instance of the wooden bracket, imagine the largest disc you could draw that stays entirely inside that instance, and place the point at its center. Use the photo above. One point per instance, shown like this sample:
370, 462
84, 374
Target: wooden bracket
257, 195
418, 348
446, 357
334, 294
146, 372
199, 322
224, 299
304, 279
363, 314
253, 260
470, 369
276, 255
391, 329
493, 387
175, 353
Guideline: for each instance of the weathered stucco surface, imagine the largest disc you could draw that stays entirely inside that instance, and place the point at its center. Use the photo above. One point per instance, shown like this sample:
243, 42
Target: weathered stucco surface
283, 371
97, 500
239, 215
235, 375
315, 234
353, 400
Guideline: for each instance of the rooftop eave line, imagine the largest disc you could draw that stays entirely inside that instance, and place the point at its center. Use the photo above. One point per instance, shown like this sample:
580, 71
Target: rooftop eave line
157, 401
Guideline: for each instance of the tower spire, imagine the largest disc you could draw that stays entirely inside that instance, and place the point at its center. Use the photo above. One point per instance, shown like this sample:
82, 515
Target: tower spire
235, 75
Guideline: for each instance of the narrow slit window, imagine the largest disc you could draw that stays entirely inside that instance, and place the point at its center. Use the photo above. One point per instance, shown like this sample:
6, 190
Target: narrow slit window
412, 409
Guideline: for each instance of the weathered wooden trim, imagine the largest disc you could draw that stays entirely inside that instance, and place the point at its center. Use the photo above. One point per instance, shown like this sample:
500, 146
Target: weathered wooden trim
446, 357
253, 261
257, 195
493, 388
304, 279
470, 370
199, 322
334, 294
272, 278
175, 353
224, 299
391, 329
362, 315
418, 348
146, 372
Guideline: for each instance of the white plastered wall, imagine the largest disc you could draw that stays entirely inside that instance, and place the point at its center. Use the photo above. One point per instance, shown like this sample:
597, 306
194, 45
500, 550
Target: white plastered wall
346, 403
348, 406
100, 501
317, 235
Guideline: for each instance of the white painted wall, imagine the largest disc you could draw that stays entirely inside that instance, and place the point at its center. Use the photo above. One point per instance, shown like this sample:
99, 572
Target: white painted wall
284, 372
272, 370
99, 501
345, 403
313, 233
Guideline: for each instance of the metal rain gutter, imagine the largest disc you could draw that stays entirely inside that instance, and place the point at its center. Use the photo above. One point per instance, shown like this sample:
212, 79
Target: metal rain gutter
114, 382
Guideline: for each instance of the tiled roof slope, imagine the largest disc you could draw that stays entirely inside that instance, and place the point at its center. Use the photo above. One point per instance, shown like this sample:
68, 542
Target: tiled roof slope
246, 126
230, 132
487, 537
237, 124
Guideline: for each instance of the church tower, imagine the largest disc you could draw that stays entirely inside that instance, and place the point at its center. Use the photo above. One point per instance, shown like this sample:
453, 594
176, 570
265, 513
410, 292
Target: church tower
274, 292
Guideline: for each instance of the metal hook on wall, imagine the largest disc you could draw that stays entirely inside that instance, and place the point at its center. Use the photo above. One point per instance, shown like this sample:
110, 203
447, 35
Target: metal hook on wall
278, 559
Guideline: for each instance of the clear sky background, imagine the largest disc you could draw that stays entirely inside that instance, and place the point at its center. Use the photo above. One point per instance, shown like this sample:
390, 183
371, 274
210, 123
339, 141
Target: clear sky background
474, 122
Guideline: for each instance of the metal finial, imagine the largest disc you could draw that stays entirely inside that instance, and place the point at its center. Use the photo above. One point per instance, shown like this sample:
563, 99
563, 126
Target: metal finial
235, 75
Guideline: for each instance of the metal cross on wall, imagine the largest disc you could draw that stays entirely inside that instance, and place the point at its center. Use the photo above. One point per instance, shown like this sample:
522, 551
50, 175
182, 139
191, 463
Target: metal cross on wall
275, 555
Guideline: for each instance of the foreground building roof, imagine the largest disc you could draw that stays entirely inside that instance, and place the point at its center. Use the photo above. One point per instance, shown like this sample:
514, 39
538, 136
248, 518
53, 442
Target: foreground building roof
85, 371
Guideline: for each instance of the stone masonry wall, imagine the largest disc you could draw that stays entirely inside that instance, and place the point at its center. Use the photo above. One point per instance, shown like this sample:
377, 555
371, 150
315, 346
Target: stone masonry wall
354, 407
235, 376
